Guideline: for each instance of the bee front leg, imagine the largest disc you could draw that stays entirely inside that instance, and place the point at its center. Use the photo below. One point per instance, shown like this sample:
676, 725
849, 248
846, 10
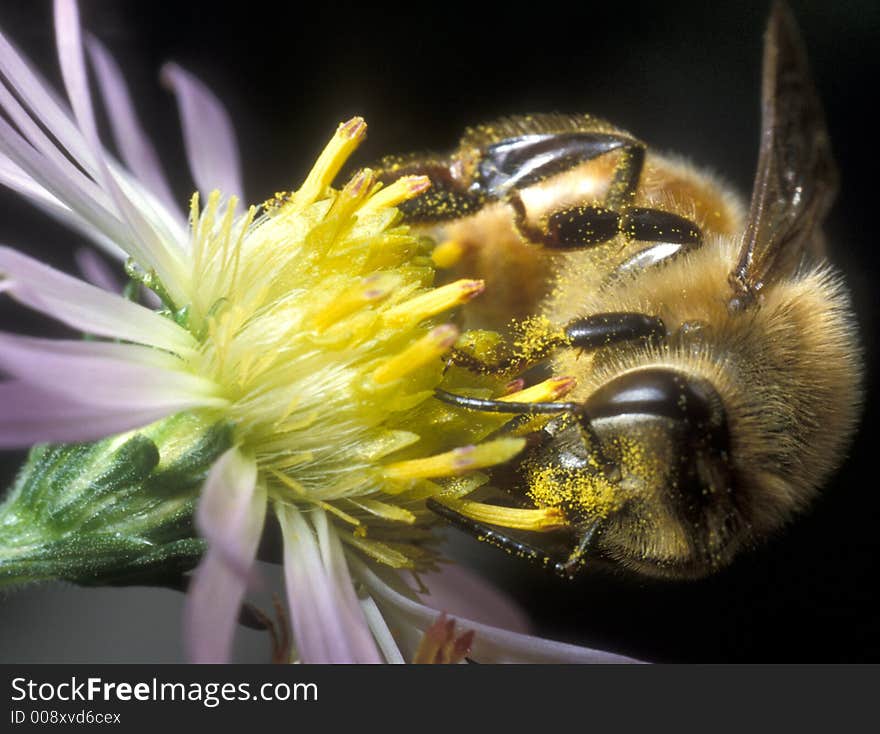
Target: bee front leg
551, 552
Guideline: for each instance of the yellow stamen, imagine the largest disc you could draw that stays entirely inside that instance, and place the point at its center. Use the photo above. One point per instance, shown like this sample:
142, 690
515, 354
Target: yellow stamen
301, 493
370, 290
514, 386
434, 301
348, 136
430, 347
447, 253
394, 513
278, 200
548, 390
538, 520
379, 551
403, 189
458, 460
360, 183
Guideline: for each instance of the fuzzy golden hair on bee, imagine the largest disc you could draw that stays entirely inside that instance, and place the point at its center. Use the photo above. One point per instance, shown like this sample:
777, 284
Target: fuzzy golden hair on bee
788, 373
708, 349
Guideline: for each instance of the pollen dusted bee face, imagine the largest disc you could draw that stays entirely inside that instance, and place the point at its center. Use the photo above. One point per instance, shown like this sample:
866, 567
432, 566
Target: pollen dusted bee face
716, 368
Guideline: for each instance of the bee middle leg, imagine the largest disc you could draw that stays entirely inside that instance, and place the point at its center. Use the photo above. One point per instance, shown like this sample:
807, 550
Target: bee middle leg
587, 333
586, 226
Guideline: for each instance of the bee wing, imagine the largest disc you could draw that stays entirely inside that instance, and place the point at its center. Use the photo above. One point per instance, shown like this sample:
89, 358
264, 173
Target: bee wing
797, 179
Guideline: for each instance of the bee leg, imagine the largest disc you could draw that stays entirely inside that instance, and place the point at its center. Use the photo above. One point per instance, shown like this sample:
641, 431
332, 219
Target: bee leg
577, 410
468, 361
587, 333
576, 558
514, 425
603, 329
585, 226
554, 560
656, 225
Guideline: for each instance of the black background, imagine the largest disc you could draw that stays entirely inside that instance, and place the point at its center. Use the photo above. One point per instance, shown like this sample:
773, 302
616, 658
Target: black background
684, 77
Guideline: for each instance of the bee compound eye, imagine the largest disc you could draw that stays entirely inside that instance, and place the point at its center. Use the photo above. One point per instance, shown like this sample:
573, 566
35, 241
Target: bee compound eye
663, 392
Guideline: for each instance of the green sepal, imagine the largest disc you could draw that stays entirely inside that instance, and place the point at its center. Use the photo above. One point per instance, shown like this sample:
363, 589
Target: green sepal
117, 511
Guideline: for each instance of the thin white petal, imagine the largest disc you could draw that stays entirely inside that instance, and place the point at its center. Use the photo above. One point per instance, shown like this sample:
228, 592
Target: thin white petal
381, 632
106, 374
30, 415
207, 133
137, 151
88, 308
491, 644
217, 587
323, 629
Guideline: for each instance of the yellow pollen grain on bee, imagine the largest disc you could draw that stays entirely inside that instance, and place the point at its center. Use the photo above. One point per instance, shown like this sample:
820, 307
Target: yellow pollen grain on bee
434, 302
371, 289
458, 460
540, 519
401, 190
447, 253
592, 494
347, 138
536, 335
548, 390
430, 347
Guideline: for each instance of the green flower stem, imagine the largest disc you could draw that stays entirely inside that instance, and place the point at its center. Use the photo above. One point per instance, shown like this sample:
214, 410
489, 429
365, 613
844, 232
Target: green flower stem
118, 511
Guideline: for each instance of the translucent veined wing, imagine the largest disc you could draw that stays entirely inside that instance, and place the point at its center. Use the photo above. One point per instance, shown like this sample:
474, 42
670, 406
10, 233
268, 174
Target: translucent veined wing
797, 178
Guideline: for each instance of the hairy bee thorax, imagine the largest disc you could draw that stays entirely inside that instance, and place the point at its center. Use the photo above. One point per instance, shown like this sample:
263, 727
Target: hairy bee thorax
490, 244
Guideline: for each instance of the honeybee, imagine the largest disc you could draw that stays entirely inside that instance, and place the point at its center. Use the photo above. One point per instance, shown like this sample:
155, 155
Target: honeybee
717, 363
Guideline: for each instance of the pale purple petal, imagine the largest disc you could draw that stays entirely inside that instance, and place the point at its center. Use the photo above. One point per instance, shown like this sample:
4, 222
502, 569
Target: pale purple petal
491, 644
30, 87
87, 308
363, 647
73, 69
207, 133
106, 374
30, 415
37, 168
218, 587
147, 246
323, 628
71, 193
225, 505
137, 151
96, 271
462, 593
12, 176
33, 133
